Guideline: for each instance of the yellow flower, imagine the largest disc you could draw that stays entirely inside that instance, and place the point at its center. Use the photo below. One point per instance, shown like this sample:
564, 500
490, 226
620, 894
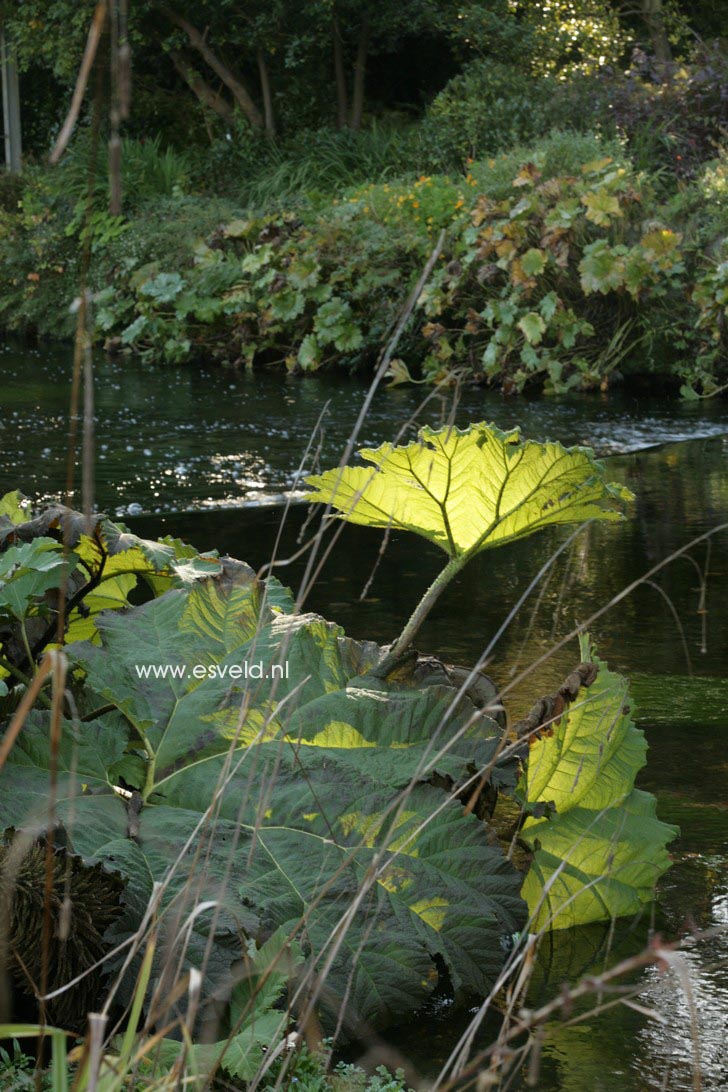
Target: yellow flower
459, 203
415, 204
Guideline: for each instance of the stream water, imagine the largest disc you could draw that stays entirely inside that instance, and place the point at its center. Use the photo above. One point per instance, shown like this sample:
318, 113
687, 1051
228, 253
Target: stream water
207, 455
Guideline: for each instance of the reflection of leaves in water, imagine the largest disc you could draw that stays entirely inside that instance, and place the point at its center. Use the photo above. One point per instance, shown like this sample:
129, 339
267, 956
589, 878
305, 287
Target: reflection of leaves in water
677, 700
566, 955
592, 1056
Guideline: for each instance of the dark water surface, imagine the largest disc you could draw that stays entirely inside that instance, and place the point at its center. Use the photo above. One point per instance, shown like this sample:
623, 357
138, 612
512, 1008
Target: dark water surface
176, 438
202, 442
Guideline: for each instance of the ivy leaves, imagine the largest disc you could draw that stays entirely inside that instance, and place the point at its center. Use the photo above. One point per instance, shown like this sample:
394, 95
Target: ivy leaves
469, 490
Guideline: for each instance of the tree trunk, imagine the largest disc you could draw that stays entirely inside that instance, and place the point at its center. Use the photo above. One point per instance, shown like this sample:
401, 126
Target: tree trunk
360, 66
342, 104
11, 106
654, 18
237, 88
89, 55
270, 121
206, 94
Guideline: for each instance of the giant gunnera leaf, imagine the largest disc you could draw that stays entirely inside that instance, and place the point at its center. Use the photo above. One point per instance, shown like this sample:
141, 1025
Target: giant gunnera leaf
598, 847
468, 490
308, 796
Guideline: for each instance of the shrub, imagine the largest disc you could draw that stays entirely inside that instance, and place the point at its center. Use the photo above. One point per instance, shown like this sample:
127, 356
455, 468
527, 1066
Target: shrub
487, 108
552, 271
559, 281
672, 117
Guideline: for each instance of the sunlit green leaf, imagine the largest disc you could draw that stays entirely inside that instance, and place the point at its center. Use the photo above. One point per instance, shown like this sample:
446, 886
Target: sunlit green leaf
599, 849
13, 508
532, 326
601, 206
468, 490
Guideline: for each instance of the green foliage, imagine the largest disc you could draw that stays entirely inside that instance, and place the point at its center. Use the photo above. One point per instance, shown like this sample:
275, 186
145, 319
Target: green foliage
598, 848
40, 262
27, 572
149, 172
485, 109
564, 280
602, 852
573, 38
271, 289
324, 787
18, 1070
311, 164
561, 152
42, 236
470, 490
306, 1068
341, 748
521, 294
101, 569
256, 1024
